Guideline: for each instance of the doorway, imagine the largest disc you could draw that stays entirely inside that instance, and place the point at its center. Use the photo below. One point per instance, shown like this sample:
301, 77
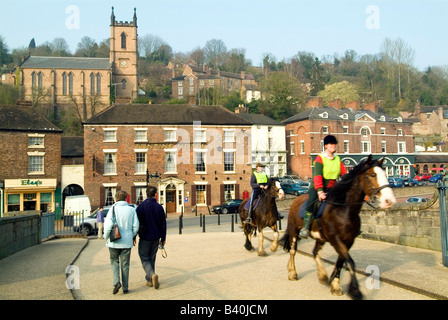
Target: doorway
170, 198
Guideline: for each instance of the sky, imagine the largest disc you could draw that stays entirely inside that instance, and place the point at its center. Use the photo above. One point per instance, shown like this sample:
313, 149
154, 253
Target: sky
281, 28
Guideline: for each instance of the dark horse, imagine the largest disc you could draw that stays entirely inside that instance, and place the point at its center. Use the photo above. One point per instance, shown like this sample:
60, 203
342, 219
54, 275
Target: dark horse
340, 221
262, 216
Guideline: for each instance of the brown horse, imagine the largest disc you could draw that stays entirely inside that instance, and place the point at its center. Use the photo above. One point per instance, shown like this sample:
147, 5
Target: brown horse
262, 216
340, 221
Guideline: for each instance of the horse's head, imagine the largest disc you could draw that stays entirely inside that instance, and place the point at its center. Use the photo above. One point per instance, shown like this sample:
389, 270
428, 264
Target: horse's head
375, 183
275, 189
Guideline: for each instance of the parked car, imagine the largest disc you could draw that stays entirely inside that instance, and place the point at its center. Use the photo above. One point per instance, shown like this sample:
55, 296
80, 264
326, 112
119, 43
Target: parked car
396, 182
423, 176
230, 206
417, 199
294, 188
435, 178
290, 178
418, 183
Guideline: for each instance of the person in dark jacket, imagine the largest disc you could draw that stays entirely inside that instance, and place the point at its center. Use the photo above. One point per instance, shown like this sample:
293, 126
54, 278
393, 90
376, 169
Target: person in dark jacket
151, 216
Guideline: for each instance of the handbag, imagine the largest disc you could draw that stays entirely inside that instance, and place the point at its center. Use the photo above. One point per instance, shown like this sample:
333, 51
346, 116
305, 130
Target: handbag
114, 232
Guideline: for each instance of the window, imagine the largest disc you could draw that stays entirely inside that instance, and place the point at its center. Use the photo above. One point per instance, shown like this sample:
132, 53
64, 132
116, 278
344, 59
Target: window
170, 135
191, 90
110, 163
13, 202
201, 194
365, 146
302, 146
109, 196
191, 81
229, 136
400, 132
180, 91
229, 161
123, 84
110, 135
40, 80
345, 129
140, 135
35, 141
199, 161
33, 80
123, 41
45, 201
70, 83
364, 131
324, 115
140, 195
325, 130
383, 131
170, 161
229, 192
98, 84
291, 148
36, 164
140, 162
92, 84
383, 146
64, 84
401, 147
346, 146
199, 135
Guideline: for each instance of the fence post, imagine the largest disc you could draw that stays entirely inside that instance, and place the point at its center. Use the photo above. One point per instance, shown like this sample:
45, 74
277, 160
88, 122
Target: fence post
442, 186
180, 224
203, 223
233, 224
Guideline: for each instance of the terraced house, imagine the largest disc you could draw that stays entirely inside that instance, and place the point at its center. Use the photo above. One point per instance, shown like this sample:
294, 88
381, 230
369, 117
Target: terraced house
195, 155
360, 131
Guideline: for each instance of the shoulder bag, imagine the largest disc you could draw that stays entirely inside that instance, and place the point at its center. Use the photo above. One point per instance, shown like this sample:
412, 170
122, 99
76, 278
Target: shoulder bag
114, 232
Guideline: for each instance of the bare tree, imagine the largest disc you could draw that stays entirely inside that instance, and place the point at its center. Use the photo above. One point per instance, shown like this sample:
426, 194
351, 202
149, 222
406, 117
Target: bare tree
215, 51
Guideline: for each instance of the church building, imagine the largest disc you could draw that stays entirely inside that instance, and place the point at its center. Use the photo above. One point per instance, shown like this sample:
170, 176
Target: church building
90, 85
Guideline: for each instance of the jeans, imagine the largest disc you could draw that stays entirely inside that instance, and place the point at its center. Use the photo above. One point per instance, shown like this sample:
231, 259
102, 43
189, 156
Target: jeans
147, 250
120, 258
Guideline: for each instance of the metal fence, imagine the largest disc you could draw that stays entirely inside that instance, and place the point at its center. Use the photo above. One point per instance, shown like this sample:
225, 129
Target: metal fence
72, 223
47, 225
443, 205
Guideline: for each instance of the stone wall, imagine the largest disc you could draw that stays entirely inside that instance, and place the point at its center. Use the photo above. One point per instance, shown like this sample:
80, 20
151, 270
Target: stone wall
18, 232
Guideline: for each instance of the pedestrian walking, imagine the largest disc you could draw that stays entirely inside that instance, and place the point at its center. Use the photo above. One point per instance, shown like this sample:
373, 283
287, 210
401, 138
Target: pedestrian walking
100, 223
125, 217
152, 233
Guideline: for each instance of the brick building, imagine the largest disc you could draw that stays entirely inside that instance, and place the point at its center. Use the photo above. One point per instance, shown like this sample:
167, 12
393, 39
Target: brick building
195, 155
30, 165
195, 81
360, 132
88, 85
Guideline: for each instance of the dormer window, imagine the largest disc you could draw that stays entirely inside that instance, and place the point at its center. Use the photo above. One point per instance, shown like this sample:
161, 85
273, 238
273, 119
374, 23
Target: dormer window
344, 116
324, 115
382, 118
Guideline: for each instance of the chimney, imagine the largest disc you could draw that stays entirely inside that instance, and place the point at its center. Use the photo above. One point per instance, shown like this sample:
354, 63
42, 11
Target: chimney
355, 105
243, 75
417, 108
371, 106
336, 103
315, 102
241, 109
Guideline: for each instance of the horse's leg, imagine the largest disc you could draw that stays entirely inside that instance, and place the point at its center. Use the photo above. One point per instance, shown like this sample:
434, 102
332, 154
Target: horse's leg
321, 272
335, 276
292, 274
248, 234
261, 251
274, 244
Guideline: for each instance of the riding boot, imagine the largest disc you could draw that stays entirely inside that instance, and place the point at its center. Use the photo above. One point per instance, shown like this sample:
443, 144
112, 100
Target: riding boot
304, 232
279, 217
248, 220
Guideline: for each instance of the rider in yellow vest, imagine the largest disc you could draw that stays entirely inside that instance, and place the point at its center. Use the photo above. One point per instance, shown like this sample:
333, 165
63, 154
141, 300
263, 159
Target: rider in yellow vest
327, 168
258, 181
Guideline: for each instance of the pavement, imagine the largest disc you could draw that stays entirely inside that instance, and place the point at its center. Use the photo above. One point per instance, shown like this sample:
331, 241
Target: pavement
215, 266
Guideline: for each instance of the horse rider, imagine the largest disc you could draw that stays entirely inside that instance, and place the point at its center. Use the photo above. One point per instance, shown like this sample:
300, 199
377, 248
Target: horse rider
327, 168
258, 182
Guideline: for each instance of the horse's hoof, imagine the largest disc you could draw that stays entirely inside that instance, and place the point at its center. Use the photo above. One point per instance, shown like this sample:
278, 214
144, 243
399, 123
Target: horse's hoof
262, 254
273, 248
323, 280
336, 292
292, 276
355, 294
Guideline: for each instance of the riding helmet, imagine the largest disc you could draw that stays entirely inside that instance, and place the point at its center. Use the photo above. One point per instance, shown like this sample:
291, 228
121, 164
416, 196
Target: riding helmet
330, 139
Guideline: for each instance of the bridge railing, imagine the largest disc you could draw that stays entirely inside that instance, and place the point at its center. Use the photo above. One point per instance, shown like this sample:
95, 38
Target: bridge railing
443, 205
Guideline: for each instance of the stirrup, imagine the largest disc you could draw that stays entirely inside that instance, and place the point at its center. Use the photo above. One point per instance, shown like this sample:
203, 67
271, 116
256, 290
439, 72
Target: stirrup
304, 233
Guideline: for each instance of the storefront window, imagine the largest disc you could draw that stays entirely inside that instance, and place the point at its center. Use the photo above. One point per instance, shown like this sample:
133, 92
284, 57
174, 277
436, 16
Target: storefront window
13, 202
45, 201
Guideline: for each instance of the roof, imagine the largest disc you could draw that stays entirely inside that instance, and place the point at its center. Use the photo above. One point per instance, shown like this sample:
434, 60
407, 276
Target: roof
347, 114
38, 62
24, 118
259, 119
72, 146
177, 114
431, 158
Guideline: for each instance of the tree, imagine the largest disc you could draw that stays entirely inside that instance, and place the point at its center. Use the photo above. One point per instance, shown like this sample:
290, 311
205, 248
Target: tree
214, 52
87, 47
60, 47
340, 90
5, 58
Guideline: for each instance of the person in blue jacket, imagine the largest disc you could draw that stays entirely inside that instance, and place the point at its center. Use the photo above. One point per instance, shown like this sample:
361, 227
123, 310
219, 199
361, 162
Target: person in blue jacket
120, 249
152, 234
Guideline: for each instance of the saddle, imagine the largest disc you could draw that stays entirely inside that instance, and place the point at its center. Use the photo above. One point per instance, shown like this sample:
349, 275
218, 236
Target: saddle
254, 204
319, 211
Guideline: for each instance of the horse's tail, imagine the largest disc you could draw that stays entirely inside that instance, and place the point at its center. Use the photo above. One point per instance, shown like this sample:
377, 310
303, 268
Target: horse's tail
284, 241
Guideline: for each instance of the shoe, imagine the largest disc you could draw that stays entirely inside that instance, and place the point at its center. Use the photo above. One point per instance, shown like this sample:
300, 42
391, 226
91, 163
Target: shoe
279, 216
125, 291
116, 288
155, 281
149, 284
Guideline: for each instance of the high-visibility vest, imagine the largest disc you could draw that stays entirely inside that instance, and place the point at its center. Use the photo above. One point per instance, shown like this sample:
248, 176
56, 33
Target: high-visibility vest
331, 167
261, 177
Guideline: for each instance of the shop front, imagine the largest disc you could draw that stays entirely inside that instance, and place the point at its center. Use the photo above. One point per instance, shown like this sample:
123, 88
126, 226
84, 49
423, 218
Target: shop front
30, 195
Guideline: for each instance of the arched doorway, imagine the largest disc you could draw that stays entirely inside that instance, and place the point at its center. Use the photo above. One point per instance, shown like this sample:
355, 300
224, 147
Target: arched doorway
71, 190
170, 192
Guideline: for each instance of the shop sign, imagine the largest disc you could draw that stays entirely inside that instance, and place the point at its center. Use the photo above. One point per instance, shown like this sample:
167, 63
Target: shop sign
28, 182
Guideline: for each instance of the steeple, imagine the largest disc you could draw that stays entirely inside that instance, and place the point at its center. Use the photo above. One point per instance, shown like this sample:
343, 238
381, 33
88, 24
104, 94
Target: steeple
112, 17
135, 17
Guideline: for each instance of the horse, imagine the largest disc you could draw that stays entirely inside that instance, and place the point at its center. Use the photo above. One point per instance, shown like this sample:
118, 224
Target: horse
263, 215
340, 222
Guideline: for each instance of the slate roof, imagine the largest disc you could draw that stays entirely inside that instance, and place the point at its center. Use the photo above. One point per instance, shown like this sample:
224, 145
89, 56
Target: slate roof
158, 114
38, 62
72, 146
315, 113
24, 118
259, 119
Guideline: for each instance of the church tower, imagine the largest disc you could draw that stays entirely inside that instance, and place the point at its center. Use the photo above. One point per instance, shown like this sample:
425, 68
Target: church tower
124, 58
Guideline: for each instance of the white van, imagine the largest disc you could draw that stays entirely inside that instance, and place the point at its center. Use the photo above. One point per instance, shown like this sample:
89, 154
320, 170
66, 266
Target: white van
77, 205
